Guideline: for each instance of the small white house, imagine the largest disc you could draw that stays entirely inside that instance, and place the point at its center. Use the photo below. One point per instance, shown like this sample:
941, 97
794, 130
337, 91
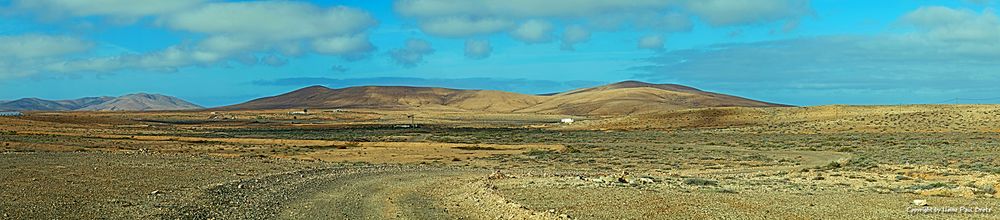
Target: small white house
567, 121
10, 114
298, 113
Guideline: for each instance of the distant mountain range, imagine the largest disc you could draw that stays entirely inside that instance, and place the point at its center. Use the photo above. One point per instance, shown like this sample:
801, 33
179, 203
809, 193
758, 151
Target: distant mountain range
614, 99
132, 102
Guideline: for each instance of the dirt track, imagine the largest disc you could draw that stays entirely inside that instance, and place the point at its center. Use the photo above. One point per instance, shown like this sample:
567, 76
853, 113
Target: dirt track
372, 192
409, 195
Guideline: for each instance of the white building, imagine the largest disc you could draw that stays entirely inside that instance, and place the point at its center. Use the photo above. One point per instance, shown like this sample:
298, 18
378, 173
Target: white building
567, 121
6, 114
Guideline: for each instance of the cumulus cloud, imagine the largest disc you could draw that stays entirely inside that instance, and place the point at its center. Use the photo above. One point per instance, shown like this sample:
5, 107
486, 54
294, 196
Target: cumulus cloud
117, 9
464, 26
412, 53
740, 12
521, 8
234, 31
478, 49
574, 35
464, 18
22, 55
652, 42
351, 45
32, 46
960, 27
270, 20
533, 31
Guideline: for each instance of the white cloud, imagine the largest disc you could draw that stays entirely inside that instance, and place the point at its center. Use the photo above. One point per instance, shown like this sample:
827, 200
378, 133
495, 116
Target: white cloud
478, 49
118, 9
652, 42
947, 24
464, 26
533, 31
270, 20
741, 12
412, 53
955, 30
522, 8
882, 69
235, 31
344, 45
34, 46
669, 22
466, 18
573, 35
23, 55
949, 53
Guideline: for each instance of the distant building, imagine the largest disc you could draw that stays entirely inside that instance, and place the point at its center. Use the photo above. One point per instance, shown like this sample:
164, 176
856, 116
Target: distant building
298, 113
567, 121
10, 114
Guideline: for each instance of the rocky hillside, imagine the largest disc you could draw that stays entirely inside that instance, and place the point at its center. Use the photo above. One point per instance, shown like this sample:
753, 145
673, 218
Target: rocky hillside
629, 97
133, 102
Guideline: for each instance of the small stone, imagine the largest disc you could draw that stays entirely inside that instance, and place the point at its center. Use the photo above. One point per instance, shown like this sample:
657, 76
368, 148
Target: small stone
155, 192
646, 180
920, 202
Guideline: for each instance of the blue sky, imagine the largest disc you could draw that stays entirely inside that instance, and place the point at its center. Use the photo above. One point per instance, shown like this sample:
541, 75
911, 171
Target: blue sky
216, 53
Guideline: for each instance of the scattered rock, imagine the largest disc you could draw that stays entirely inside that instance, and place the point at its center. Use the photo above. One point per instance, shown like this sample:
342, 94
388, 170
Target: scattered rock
498, 175
920, 202
646, 180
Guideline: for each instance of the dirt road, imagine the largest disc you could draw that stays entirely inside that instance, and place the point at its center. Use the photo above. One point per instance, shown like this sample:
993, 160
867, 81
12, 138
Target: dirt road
400, 194
372, 192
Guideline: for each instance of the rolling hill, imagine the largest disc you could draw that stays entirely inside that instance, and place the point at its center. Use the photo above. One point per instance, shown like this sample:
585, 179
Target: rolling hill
621, 98
36, 104
133, 102
142, 102
383, 97
637, 97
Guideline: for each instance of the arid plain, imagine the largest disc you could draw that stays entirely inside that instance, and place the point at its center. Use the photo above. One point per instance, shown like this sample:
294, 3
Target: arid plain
421, 157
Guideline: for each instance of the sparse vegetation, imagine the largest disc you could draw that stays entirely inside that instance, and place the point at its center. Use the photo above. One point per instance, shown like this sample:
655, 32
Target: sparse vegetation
475, 147
735, 161
700, 182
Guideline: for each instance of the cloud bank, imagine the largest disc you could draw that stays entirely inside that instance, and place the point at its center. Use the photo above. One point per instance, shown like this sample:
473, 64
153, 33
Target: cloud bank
532, 21
947, 47
256, 32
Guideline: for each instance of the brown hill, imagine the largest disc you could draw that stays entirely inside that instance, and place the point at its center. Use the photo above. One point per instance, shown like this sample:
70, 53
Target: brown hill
142, 102
392, 97
36, 104
614, 99
637, 97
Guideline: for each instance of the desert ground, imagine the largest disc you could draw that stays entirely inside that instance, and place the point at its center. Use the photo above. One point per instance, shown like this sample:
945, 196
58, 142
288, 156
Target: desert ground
826, 162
